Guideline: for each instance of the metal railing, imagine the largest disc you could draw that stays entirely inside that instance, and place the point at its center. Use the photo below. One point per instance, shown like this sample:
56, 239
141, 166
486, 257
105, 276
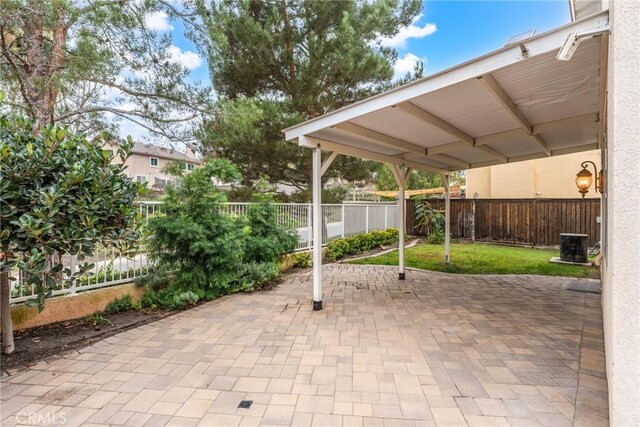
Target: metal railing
112, 268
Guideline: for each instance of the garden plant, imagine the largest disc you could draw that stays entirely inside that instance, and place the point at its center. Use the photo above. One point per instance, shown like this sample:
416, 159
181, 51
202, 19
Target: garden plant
202, 252
61, 194
359, 243
431, 218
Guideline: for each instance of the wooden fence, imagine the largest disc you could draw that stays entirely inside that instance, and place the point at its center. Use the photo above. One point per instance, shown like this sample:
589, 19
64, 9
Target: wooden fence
536, 222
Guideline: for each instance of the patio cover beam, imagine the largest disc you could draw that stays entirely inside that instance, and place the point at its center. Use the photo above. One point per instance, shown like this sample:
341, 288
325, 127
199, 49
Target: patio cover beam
553, 125
436, 121
312, 142
327, 163
533, 156
602, 110
381, 138
550, 126
493, 86
449, 159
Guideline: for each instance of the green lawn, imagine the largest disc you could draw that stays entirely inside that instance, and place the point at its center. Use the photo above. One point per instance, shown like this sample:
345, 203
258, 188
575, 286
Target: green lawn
479, 258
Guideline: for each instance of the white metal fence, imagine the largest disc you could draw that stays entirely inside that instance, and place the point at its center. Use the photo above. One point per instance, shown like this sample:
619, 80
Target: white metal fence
112, 268
339, 220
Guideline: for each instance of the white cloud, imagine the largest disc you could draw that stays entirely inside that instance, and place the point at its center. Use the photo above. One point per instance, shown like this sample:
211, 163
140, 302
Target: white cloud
405, 65
157, 21
413, 31
189, 60
137, 132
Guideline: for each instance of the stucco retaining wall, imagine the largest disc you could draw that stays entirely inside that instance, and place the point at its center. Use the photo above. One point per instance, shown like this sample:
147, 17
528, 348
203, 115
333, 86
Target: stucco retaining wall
71, 307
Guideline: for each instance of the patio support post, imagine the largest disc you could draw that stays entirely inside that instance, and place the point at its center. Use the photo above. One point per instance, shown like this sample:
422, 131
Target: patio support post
447, 218
317, 228
319, 168
401, 227
401, 179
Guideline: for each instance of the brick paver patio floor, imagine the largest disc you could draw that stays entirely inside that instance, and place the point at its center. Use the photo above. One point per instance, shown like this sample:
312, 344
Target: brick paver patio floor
435, 349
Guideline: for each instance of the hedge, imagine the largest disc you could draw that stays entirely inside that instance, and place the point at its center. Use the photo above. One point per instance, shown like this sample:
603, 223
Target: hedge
360, 243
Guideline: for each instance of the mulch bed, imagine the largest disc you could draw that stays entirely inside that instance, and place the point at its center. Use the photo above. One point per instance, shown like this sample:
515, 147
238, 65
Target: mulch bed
35, 344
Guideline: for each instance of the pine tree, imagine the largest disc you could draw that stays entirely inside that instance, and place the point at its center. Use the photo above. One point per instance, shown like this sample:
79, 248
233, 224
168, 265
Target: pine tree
278, 63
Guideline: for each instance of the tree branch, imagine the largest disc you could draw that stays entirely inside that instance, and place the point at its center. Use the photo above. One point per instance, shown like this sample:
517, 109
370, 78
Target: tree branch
7, 54
91, 7
98, 109
156, 131
132, 92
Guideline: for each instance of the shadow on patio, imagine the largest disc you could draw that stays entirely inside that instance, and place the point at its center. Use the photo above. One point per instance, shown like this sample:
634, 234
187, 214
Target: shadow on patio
433, 349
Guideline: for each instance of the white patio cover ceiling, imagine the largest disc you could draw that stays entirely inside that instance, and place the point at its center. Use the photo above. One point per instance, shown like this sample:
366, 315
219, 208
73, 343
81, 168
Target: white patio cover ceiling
514, 104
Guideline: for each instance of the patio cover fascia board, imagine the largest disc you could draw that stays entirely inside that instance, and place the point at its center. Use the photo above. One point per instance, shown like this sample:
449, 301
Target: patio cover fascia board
476, 68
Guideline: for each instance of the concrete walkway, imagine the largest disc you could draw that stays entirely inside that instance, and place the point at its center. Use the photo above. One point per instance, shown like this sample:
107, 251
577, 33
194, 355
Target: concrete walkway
435, 349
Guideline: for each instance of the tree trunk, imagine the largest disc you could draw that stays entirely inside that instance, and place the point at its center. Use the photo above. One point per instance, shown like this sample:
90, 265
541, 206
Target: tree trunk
289, 47
56, 61
35, 77
5, 314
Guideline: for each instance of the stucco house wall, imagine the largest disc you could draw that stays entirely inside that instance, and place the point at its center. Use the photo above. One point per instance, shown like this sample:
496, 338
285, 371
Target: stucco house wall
139, 165
510, 182
551, 177
621, 267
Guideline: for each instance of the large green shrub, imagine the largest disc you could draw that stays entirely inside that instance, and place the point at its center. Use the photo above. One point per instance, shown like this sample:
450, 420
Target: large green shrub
265, 240
201, 248
61, 194
193, 238
359, 243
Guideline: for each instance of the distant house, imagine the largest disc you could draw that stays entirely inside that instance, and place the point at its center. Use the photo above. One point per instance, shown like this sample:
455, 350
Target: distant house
147, 163
548, 178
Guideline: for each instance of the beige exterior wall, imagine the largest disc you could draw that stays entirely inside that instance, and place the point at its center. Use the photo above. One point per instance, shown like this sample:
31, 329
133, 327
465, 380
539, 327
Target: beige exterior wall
552, 177
512, 181
621, 267
139, 165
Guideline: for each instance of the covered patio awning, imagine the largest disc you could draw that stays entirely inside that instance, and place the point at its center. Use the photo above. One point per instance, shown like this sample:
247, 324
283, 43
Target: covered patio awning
518, 103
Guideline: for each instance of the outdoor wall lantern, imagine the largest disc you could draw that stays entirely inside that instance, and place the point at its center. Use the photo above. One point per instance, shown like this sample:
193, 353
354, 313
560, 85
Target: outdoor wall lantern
584, 179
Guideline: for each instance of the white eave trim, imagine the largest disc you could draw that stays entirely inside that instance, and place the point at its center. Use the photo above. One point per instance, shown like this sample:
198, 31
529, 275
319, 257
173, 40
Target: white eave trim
545, 42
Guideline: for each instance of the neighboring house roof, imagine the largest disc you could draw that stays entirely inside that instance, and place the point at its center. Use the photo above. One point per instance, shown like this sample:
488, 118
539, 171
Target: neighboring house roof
162, 152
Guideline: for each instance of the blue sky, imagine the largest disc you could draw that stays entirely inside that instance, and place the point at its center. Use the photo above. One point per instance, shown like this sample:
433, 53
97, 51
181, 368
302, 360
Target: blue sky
445, 34
465, 30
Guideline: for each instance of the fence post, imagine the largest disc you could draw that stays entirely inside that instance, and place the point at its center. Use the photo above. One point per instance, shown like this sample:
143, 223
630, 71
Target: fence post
343, 220
473, 220
534, 218
385, 217
366, 219
72, 267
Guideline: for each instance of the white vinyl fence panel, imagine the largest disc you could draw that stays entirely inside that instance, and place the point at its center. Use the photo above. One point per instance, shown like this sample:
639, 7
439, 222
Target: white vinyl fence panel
112, 268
